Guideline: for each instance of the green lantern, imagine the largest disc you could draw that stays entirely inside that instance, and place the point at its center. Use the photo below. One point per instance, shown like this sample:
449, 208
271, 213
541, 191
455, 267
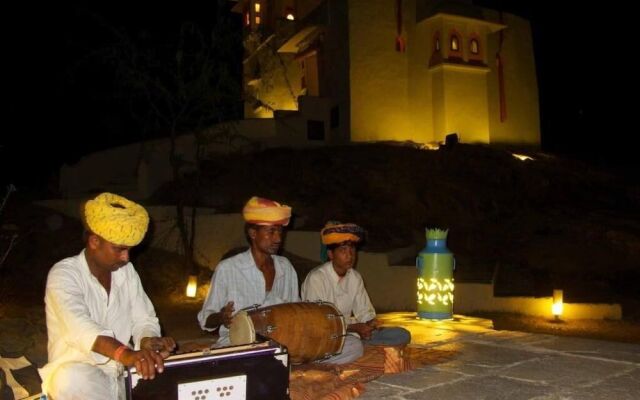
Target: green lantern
435, 265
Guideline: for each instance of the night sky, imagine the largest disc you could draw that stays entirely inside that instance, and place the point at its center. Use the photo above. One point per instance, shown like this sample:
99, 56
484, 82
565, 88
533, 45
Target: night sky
586, 81
58, 111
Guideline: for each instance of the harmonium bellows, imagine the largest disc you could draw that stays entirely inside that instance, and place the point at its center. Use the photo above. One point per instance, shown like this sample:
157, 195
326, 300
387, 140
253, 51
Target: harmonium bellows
252, 371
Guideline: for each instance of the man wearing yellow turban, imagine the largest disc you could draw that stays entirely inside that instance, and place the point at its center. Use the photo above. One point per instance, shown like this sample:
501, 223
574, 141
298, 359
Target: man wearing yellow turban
337, 282
257, 276
95, 306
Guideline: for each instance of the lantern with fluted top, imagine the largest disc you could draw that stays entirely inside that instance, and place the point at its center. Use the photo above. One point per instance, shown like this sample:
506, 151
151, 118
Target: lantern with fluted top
435, 265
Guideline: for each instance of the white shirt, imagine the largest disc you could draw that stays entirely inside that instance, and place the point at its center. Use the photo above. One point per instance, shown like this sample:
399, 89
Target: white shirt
79, 310
347, 293
238, 279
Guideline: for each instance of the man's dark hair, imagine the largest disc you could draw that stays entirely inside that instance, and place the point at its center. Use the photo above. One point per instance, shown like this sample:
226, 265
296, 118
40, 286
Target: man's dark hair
86, 232
247, 226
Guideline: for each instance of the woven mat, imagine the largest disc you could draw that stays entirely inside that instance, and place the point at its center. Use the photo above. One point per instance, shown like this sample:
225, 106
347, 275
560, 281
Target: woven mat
343, 382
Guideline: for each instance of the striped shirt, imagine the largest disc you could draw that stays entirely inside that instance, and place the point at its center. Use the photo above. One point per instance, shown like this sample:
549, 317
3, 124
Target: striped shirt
238, 279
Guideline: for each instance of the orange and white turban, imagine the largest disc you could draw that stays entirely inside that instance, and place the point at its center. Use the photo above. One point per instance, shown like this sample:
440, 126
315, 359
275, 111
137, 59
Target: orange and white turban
336, 232
116, 219
261, 211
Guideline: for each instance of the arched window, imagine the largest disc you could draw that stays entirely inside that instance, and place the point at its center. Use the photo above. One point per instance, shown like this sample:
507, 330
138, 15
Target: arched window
475, 49
436, 54
474, 46
455, 46
455, 43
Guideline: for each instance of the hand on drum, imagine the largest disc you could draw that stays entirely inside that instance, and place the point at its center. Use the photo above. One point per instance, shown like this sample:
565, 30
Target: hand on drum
222, 317
226, 313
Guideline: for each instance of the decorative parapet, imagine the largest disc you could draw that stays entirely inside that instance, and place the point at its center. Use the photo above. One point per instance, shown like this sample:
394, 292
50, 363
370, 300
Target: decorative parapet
476, 297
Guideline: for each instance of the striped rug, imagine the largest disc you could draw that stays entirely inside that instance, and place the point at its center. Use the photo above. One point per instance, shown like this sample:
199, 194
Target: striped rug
343, 382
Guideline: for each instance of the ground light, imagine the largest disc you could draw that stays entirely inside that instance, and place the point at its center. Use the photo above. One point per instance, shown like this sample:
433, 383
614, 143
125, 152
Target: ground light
556, 306
521, 157
192, 286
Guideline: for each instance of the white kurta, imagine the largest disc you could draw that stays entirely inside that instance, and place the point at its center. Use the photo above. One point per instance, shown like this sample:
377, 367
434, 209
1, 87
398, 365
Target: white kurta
238, 279
78, 310
347, 293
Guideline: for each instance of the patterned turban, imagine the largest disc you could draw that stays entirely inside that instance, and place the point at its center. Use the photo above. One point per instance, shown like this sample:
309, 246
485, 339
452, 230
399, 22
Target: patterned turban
261, 211
116, 219
336, 232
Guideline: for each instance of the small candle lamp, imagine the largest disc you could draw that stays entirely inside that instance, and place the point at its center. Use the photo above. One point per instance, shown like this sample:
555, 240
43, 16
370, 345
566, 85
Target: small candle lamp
556, 307
192, 286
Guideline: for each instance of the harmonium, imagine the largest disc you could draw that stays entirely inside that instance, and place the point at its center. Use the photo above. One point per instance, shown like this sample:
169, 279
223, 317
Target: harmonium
252, 371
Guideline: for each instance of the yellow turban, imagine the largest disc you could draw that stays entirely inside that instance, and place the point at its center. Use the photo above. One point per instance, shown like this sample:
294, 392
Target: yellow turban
335, 232
116, 219
261, 211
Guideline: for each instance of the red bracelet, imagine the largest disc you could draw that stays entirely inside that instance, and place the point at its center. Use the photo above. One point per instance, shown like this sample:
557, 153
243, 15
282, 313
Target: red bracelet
119, 351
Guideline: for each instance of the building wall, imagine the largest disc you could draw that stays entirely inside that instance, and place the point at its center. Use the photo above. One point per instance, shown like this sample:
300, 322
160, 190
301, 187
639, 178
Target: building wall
522, 125
337, 69
383, 94
477, 297
378, 73
459, 98
396, 96
465, 104
438, 103
421, 88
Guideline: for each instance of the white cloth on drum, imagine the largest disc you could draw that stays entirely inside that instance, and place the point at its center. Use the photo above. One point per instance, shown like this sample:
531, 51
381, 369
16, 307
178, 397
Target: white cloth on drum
238, 279
347, 293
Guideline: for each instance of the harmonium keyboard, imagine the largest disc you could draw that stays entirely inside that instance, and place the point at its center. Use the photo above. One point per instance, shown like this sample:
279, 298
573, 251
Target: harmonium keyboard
252, 371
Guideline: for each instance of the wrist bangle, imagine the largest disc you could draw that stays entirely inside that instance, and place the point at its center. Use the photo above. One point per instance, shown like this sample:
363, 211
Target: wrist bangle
118, 353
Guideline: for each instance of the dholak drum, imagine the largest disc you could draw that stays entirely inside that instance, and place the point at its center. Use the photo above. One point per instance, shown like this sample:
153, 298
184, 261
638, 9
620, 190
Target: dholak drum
310, 330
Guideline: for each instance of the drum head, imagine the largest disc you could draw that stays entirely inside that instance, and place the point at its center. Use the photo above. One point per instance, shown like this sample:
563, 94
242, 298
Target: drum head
241, 330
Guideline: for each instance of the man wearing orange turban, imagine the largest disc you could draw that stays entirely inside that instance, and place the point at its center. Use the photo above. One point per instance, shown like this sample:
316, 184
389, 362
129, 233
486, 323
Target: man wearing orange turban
337, 282
257, 276
95, 305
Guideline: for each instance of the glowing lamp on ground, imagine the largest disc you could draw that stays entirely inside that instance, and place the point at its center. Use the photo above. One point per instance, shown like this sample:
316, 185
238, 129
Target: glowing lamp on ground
435, 277
192, 286
521, 157
289, 15
556, 306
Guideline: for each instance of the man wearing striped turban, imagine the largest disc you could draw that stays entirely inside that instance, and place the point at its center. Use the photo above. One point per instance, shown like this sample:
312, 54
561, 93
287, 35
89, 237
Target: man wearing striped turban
337, 282
257, 276
95, 306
